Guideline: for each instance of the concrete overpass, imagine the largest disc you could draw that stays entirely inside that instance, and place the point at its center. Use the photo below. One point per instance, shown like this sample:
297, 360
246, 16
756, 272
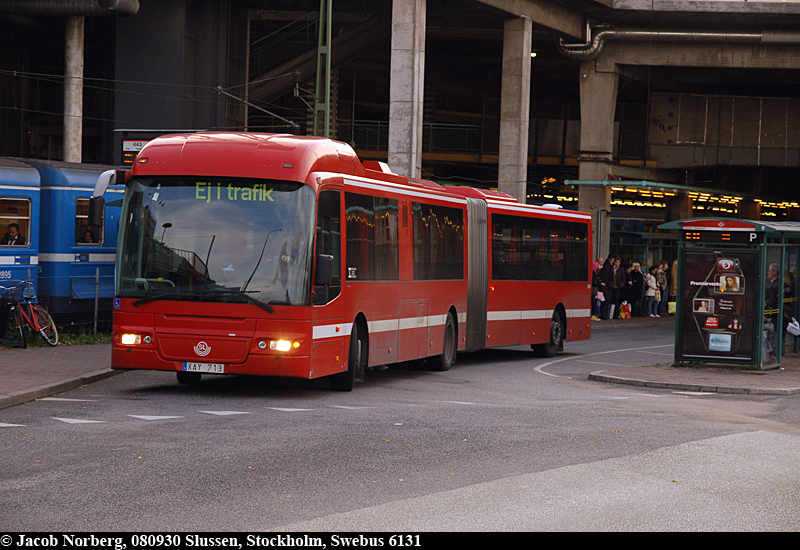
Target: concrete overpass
695, 62
609, 38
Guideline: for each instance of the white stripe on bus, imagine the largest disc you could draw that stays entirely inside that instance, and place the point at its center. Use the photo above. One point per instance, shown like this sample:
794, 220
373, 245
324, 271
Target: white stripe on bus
322, 332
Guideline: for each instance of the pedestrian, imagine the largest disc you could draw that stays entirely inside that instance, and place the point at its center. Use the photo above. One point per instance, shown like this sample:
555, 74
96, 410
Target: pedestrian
625, 293
673, 287
651, 286
606, 280
596, 292
637, 289
663, 287
617, 284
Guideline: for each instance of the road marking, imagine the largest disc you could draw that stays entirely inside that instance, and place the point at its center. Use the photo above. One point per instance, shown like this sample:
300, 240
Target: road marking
606, 364
663, 354
288, 410
693, 393
65, 399
349, 408
224, 413
11, 425
146, 417
549, 363
78, 421
460, 402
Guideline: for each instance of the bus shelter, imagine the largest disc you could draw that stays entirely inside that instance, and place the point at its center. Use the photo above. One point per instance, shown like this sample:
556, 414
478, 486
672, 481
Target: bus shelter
737, 291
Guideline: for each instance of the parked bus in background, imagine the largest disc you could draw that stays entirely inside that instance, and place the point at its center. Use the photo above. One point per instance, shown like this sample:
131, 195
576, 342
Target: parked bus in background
282, 255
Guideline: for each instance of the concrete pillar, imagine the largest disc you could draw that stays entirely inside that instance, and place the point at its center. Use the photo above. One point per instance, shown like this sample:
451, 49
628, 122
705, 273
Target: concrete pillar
679, 207
406, 88
749, 210
515, 98
73, 90
598, 107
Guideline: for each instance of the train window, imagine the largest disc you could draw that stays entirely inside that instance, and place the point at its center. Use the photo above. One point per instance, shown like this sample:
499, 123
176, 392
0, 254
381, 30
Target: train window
84, 233
15, 222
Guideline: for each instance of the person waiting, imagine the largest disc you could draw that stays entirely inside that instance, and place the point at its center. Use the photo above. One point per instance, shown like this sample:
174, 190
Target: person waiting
12, 237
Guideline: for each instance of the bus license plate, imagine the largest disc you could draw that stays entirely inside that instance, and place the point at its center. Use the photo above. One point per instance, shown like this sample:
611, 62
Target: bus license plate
214, 368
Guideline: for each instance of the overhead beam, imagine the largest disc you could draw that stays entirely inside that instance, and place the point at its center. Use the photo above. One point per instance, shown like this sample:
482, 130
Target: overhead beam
721, 55
546, 13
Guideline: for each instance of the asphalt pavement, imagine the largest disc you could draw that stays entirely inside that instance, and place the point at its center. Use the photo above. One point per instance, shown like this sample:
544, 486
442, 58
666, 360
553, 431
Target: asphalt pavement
32, 373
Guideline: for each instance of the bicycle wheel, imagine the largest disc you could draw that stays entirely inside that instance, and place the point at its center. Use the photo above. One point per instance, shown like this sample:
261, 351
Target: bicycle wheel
47, 328
19, 325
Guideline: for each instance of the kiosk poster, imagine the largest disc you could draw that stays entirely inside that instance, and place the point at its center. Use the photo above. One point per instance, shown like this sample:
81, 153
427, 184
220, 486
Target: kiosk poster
718, 292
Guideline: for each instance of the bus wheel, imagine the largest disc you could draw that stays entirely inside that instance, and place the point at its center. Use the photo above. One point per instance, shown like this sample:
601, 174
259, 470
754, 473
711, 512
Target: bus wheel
344, 381
188, 377
444, 361
550, 349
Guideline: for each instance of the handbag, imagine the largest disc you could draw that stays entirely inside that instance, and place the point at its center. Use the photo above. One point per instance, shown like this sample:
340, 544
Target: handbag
600, 296
657, 296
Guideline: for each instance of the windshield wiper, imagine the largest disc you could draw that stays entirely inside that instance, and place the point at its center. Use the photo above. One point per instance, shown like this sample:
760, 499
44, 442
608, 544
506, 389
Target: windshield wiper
159, 296
263, 248
204, 293
237, 292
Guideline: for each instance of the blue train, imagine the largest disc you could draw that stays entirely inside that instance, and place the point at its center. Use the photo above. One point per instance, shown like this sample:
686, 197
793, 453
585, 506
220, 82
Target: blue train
45, 237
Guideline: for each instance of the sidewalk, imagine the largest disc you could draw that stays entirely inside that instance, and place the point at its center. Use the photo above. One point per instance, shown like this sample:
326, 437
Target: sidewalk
784, 380
27, 374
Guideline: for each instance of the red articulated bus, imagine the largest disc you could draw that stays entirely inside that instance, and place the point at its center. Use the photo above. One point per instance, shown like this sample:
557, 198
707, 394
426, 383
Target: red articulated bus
265, 254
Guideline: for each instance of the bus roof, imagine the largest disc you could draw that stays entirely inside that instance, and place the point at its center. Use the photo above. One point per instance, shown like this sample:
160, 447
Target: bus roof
290, 158
246, 155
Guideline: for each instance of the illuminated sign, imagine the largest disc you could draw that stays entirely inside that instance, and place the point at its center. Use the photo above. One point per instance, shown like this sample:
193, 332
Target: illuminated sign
208, 191
737, 237
131, 148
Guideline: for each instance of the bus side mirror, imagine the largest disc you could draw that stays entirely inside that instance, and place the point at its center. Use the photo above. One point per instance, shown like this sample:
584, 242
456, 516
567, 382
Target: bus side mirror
323, 275
96, 208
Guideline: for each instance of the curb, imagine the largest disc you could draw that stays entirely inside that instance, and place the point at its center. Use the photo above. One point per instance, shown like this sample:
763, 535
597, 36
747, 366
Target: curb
616, 324
22, 396
598, 376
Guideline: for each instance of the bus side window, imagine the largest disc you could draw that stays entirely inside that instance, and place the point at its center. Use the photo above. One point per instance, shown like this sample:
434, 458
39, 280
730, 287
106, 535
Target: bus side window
329, 243
85, 233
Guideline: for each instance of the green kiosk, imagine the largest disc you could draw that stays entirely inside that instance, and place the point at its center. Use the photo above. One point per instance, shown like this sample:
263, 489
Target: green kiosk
737, 291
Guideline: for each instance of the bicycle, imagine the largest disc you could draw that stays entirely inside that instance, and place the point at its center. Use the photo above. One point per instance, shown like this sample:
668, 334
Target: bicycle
29, 314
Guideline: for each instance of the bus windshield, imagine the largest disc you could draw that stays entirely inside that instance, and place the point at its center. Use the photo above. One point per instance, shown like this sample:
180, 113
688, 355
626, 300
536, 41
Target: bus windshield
216, 240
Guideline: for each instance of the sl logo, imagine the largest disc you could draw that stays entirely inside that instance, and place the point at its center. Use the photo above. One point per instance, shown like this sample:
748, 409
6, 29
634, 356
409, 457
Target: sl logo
202, 349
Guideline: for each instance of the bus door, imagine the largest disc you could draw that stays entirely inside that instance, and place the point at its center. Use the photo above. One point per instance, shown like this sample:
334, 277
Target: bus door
329, 329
